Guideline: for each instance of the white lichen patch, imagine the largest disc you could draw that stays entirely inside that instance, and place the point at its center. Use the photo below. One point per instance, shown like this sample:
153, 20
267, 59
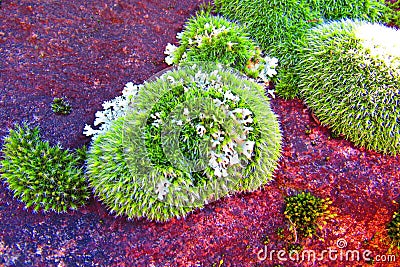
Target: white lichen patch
112, 110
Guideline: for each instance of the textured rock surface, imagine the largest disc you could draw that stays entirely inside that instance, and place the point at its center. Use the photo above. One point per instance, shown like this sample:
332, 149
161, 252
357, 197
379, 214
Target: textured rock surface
86, 51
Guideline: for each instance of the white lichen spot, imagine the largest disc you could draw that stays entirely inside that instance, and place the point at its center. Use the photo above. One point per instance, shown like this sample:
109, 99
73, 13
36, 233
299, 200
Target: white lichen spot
170, 51
162, 189
248, 148
186, 111
201, 130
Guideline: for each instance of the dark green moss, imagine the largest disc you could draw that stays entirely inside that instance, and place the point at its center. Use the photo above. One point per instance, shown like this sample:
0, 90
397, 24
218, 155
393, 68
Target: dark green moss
61, 106
393, 229
306, 212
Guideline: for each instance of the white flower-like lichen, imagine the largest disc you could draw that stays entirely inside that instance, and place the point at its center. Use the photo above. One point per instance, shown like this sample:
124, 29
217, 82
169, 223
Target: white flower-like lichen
229, 96
268, 69
242, 115
157, 119
162, 189
219, 162
248, 148
217, 138
201, 130
186, 112
271, 92
179, 35
112, 110
229, 154
170, 51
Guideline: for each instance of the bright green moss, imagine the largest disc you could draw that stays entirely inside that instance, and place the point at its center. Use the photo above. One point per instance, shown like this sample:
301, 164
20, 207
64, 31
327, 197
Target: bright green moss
394, 16
279, 26
349, 74
194, 135
206, 37
41, 176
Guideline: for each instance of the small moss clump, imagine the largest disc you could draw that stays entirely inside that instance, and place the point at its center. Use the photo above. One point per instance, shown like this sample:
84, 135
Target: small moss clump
349, 76
194, 135
294, 248
213, 38
393, 229
42, 176
306, 212
61, 106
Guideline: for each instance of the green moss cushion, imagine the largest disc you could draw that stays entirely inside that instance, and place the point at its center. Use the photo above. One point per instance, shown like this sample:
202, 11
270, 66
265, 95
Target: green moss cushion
193, 135
42, 176
349, 75
393, 229
278, 25
206, 37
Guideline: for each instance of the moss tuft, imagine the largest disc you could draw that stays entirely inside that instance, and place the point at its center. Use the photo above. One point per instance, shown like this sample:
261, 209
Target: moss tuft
213, 38
194, 135
349, 76
41, 176
393, 229
278, 26
61, 106
306, 212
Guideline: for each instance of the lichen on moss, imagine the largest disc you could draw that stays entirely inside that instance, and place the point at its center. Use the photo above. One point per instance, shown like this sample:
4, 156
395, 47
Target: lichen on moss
195, 134
213, 38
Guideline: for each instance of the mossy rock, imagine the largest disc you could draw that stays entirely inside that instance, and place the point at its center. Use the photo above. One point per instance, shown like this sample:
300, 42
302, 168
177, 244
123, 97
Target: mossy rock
213, 38
349, 75
194, 135
279, 25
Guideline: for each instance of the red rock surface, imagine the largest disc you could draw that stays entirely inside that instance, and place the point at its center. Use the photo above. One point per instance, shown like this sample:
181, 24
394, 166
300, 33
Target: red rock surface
86, 51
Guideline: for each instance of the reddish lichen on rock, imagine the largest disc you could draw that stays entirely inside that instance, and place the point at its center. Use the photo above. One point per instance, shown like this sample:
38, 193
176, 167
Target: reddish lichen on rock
86, 51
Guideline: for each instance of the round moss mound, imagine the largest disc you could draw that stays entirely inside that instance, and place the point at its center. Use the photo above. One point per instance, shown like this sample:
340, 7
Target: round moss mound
279, 25
194, 135
349, 74
206, 37
42, 176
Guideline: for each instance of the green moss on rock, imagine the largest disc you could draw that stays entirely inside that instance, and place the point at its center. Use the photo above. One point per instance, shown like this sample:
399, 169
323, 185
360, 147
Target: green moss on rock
42, 176
278, 26
206, 37
194, 135
349, 76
